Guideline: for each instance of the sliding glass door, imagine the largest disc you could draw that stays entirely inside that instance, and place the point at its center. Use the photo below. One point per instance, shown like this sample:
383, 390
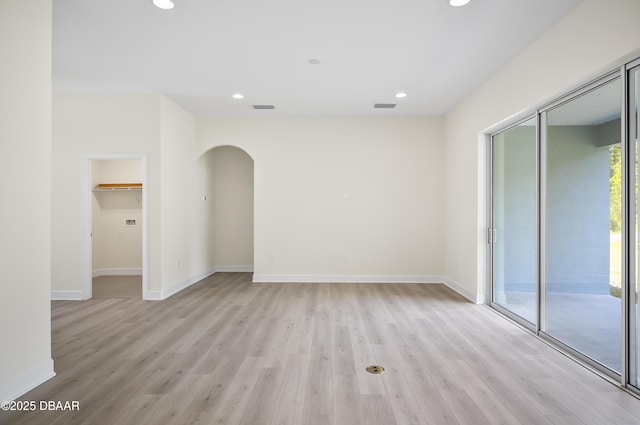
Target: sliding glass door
564, 222
513, 229
582, 224
633, 106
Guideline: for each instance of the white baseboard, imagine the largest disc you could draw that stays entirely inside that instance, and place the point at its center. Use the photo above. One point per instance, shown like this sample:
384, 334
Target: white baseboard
289, 278
310, 278
66, 295
153, 295
131, 271
233, 269
166, 293
471, 296
25, 383
334, 278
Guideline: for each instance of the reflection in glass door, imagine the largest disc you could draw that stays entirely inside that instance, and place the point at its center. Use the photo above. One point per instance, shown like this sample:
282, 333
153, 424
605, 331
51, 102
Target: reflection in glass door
513, 230
582, 224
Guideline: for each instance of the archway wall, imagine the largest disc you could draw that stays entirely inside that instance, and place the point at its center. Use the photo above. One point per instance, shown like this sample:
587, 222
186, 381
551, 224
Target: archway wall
230, 187
346, 199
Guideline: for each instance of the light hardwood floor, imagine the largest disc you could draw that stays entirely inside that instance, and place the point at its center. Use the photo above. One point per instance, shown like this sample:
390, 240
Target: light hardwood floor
227, 351
117, 287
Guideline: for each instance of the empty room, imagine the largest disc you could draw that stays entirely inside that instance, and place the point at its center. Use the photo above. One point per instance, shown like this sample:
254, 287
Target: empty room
344, 212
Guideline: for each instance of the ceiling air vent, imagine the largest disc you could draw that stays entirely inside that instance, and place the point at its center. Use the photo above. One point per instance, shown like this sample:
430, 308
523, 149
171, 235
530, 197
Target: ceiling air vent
264, 106
384, 105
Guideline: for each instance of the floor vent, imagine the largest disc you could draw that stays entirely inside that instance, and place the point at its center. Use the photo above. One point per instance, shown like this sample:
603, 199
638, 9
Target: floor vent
375, 369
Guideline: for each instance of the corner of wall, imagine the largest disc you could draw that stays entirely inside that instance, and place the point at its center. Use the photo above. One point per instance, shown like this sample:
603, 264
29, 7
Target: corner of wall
25, 151
27, 381
475, 298
66, 295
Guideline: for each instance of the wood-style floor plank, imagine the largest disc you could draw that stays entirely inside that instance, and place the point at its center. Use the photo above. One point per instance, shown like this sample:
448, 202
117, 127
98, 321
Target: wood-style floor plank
228, 351
289, 407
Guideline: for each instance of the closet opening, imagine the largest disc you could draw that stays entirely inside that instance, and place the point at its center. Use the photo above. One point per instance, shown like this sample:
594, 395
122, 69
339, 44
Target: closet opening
114, 227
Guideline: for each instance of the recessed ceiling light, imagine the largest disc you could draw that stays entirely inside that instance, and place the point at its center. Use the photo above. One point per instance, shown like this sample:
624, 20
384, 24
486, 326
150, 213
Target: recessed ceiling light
163, 4
401, 95
238, 96
458, 2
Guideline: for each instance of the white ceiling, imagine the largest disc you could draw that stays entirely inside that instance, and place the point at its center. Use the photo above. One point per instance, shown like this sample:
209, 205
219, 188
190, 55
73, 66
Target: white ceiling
203, 51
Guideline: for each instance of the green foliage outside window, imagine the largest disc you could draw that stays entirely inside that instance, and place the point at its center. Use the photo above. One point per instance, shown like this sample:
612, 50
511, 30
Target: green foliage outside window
615, 188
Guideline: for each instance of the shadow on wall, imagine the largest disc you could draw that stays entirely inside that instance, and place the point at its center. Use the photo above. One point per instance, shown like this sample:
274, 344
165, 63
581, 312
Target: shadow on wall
230, 187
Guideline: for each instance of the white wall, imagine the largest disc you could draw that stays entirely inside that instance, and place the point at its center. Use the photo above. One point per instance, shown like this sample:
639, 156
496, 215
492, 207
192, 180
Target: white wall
179, 249
594, 36
179, 240
25, 172
341, 198
187, 247
116, 245
100, 125
232, 179
334, 197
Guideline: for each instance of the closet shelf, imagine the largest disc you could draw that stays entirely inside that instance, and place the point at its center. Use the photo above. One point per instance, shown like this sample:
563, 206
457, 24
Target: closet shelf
112, 187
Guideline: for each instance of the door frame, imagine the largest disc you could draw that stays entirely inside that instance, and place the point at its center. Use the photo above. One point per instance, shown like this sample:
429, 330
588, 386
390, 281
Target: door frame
86, 246
540, 112
489, 244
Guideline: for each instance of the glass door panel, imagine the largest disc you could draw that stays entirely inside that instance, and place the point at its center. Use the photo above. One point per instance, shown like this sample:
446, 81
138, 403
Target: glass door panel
582, 224
634, 309
513, 233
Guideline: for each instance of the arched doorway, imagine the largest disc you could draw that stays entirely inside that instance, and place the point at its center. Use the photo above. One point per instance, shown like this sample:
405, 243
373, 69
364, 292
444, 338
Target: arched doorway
230, 173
